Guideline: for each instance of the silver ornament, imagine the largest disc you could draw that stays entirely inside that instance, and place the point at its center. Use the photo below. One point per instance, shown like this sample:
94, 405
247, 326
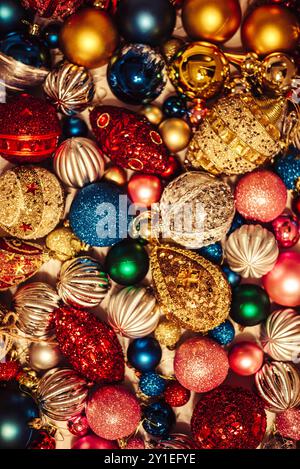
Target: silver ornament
132, 312
82, 283
62, 393
34, 303
78, 161
278, 383
70, 87
16, 76
43, 356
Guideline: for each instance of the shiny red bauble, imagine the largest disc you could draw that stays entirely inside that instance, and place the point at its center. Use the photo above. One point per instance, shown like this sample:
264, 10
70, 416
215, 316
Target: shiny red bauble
245, 358
94, 442
78, 425
43, 441
173, 169
145, 189
176, 395
286, 229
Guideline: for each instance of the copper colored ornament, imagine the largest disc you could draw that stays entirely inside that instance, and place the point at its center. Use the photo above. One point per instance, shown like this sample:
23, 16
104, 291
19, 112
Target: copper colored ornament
171, 47
176, 134
144, 189
153, 113
54, 9
245, 358
287, 230
64, 244
116, 175
277, 72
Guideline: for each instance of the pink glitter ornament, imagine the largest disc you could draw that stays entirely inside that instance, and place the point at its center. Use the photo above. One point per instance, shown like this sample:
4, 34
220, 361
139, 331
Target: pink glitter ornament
288, 424
260, 195
113, 412
200, 364
94, 442
78, 425
286, 230
135, 443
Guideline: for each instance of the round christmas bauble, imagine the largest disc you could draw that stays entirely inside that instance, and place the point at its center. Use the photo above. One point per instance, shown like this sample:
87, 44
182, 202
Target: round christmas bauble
152, 112
94, 442
113, 412
116, 175
144, 354
197, 111
214, 21
43, 356
43, 441
260, 195
287, 230
212, 252
229, 418
152, 384
89, 38
78, 425
176, 441
288, 424
175, 394
127, 262
200, 364
144, 189
277, 73
171, 47
29, 129
233, 278
282, 283
175, 106
132, 312
281, 335
158, 419
54, 9
245, 358
146, 22
199, 70
173, 169
74, 126
288, 168
82, 283
34, 202
63, 244
270, 28
135, 443
223, 334
51, 34
250, 305
137, 74
11, 15
9, 370
176, 134
167, 333
251, 251
237, 222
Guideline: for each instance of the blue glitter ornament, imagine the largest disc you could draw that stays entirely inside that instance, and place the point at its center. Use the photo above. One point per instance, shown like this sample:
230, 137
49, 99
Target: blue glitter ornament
27, 49
233, 278
237, 222
98, 214
174, 106
51, 35
144, 354
152, 384
137, 74
288, 168
74, 126
213, 253
223, 334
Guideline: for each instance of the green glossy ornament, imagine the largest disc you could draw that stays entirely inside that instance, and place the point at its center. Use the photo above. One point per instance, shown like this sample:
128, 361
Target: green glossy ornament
250, 305
127, 262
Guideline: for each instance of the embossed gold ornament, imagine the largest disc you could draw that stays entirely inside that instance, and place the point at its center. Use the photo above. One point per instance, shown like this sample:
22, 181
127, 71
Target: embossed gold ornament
64, 244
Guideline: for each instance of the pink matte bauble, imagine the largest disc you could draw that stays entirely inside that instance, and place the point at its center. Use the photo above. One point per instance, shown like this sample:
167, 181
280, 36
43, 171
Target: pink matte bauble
145, 189
200, 364
260, 195
113, 412
286, 229
282, 283
288, 424
245, 358
94, 442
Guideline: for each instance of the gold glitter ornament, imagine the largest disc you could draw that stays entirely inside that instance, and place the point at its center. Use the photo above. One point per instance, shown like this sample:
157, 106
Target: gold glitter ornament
190, 290
32, 202
63, 244
167, 333
170, 48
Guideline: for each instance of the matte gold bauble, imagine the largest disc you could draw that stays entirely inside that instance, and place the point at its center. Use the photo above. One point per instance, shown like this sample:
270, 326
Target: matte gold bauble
153, 113
176, 134
89, 38
212, 20
270, 28
277, 73
116, 175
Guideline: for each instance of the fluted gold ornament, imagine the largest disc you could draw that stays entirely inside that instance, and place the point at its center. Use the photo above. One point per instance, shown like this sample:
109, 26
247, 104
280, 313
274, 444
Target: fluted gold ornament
153, 113
64, 244
167, 333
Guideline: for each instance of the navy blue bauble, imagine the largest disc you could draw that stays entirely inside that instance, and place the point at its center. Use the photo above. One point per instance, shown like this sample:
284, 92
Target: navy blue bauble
156, 424
161, 407
27, 49
146, 21
51, 35
11, 15
98, 216
144, 354
233, 278
152, 384
17, 410
237, 222
174, 106
137, 74
213, 253
288, 168
74, 127
223, 334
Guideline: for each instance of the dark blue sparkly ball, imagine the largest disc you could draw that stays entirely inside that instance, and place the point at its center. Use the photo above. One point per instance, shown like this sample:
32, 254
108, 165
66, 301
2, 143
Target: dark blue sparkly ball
288, 168
74, 127
233, 278
51, 35
137, 74
26, 49
144, 354
152, 384
223, 334
237, 222
156, 424
174, 106
213, 253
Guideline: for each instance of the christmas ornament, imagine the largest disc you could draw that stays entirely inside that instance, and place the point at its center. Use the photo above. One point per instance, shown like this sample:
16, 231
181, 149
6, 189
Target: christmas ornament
237, 222
281, 335
215, 21
158, 419
91, 346
223, 334
135, 443
176, 134
229, 418
152, 112
175, 441
171, 47
94, 442
288, 424
270, 28
78, 425
17, 410
145, 22
116, 175
277, 73
296, 206
278, 383
288, 168
277, 442
175, 394
132, 312
43, 356
250, 305
61, 393
127, 262
287, 230
54, 9
70, 88
238, 134
152, 384
43, 441
190, 290
200, 364
63, 244
283, 282
113, 412
144, 189
260, 195
144, 354
129, 140
174, 168
74, 126
34, 304
233, 278
199, 70
167, 333
137, 74
33, 200
197, 111
11, 15
175, 106
245, 358
97, 215
89, 38
212, 252
251, 251
196, 209
82, 283
51, 34
29, 129
19, 261
9, 370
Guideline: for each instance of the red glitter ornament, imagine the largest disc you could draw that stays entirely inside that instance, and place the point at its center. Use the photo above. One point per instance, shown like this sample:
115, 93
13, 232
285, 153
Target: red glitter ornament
29, 129
129, 139
288, 424
176, 395
90, 345
43, 441
9, 371
229, 418
54, 9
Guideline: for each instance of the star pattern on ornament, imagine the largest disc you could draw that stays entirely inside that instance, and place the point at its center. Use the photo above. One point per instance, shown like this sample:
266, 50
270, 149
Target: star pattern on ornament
19, 269
26, 227
32, 188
